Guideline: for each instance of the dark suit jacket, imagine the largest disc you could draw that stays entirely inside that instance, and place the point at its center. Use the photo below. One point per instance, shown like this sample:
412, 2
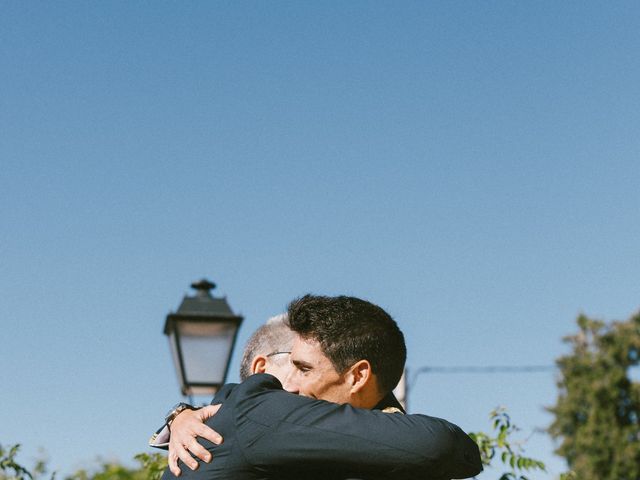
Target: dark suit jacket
271, 434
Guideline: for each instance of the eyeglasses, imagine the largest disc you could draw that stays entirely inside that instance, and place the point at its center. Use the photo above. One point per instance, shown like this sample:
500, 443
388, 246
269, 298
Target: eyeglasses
276, 353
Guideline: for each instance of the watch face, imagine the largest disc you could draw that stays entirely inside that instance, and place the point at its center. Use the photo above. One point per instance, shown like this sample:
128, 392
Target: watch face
175, 409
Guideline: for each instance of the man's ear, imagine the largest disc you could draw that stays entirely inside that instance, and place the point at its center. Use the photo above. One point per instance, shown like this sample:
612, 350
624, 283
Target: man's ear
258, 364
360, 375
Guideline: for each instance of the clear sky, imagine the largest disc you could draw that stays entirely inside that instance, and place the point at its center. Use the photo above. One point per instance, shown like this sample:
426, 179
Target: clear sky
472, 167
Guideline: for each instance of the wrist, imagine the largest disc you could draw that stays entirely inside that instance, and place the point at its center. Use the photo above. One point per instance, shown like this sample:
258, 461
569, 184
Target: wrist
176, 410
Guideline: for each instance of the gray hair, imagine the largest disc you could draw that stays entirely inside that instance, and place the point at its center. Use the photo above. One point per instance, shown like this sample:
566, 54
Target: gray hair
274, 336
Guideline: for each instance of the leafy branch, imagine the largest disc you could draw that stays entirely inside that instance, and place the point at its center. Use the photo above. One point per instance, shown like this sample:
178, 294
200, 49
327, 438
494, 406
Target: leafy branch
500, 445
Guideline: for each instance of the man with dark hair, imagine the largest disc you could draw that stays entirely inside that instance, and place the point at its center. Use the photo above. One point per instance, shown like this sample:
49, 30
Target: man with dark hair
347, 350
338, 354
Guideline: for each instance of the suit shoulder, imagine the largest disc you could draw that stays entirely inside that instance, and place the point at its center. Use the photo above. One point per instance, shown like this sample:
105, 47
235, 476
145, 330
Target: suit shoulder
222, 394
260, 382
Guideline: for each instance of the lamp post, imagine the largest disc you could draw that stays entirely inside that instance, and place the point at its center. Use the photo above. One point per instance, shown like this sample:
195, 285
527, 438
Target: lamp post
202, 333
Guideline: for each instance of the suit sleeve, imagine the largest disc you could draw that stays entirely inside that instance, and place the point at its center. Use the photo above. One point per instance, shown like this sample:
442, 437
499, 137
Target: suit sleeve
287, 433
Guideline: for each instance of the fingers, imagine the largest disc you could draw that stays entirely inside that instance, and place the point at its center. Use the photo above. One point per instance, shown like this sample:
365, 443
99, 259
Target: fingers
185, 429
209, 411
186, 458
173, 464
189, 425
199, 451
177, 452
204, 431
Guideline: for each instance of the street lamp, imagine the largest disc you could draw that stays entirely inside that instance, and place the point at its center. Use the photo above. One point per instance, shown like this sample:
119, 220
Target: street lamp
202, 333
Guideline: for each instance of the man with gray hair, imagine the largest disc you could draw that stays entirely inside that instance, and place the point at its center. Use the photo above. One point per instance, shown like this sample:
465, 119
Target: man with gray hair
274, 337
266, 351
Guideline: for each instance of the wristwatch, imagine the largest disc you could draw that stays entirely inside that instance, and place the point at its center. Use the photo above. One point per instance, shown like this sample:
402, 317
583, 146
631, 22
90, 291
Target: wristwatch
175, 411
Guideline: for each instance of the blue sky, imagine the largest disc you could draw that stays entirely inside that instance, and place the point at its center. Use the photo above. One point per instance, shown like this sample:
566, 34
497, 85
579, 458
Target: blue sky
472, 167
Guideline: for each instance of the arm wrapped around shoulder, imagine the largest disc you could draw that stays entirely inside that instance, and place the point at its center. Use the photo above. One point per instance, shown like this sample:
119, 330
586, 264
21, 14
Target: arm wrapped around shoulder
287, 432
459, 455
440, 449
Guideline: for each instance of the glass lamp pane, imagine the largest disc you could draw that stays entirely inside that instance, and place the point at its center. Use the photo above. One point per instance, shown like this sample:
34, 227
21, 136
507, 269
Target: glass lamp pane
173, 344
205, 350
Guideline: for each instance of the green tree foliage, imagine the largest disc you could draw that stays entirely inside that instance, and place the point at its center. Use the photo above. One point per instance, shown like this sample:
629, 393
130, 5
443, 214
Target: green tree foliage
501, 445
150, 467
12, 470
597, 413
106, 471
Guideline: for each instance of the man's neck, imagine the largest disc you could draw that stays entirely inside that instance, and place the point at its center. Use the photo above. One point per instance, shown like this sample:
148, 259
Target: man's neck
389, 400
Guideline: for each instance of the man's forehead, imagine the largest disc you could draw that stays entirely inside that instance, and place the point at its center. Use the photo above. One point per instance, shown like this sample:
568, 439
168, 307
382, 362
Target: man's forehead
307, 349
306, 344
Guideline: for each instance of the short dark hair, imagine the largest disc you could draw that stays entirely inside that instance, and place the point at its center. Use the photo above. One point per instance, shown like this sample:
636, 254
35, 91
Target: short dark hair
350, 329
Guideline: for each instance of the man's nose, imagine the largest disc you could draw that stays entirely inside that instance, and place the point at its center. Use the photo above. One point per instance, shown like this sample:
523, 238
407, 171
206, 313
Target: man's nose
290, 384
